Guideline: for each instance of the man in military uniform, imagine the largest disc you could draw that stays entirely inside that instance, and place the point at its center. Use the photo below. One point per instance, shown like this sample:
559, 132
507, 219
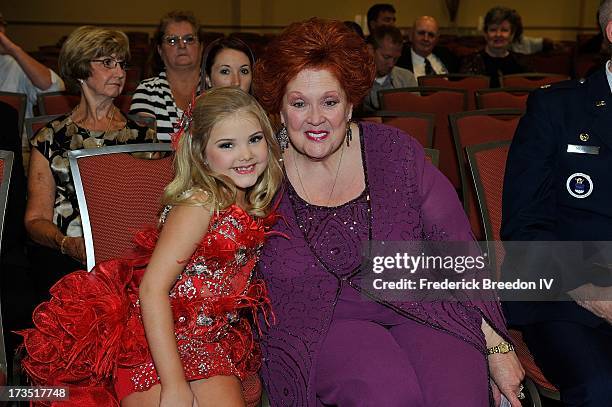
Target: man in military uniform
558, 187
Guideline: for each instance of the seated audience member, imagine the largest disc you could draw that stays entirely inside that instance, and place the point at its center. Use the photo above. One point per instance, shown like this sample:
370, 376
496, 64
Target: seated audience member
554, 193
423, 56
380, 14
228, 61
355, 27
21, 73
523, 44
93, 60
385, 44
500, 26
168, 94
348, 184
14, 268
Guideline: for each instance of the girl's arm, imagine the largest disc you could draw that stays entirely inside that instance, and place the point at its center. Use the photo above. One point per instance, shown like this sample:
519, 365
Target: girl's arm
178, 239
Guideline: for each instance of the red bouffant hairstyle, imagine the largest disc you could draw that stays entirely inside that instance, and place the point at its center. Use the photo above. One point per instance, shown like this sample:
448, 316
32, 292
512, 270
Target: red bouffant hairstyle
318, 44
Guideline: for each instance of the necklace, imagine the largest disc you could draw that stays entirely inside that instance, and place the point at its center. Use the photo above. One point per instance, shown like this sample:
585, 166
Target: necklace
331, 193
108, 126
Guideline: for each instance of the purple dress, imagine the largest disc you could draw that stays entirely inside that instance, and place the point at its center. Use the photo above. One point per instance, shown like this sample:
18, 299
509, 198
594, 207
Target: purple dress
330, 346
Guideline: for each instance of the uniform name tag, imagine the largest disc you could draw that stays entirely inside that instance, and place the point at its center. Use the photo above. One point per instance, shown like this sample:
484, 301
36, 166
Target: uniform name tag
573, 148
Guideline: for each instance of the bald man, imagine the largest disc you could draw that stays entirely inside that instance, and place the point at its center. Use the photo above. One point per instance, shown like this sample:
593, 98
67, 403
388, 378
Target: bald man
424, 57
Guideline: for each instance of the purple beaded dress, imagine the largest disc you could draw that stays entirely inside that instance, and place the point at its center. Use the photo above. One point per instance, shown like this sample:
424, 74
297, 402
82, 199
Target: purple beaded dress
332, 346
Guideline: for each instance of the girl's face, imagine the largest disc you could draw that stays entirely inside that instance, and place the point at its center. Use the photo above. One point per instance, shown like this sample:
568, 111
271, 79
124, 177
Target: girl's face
237, 149
231, 68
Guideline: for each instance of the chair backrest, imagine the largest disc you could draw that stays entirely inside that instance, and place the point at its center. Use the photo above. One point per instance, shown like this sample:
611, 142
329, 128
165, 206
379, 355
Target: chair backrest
123, 102
530, 80
418, 125
470, 83
433, 156
33, 124
440, 102
19, 102
118, 194
502, 98
477, 127
488, 165
54, 103
6, 165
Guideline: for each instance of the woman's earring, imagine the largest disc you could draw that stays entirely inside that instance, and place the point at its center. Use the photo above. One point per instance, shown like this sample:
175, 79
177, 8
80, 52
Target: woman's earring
349, 134
283, 138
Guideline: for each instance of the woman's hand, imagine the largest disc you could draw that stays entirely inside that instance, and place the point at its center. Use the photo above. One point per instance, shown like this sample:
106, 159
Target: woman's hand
507, 374
75, 248
506, 370
179, 395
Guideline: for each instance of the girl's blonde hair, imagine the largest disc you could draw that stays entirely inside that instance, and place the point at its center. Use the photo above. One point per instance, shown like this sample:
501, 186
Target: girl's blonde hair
193, 174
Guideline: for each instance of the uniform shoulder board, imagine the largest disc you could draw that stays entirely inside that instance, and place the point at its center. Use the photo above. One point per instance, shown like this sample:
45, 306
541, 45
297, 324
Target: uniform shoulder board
568, 84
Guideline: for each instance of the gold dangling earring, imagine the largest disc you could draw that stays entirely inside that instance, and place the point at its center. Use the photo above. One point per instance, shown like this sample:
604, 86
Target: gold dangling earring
349, 134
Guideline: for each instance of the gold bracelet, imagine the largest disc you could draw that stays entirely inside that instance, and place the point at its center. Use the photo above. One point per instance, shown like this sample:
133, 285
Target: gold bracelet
62, 244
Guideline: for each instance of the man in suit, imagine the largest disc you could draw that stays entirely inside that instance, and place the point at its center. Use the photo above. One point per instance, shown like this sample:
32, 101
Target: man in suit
557, 188
385, 44
423, 56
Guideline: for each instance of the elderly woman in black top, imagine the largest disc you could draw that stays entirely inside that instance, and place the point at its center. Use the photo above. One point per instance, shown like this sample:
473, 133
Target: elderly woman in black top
496, 58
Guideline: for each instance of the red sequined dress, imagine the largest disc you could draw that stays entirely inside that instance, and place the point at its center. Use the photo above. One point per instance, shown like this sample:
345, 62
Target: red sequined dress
90, 336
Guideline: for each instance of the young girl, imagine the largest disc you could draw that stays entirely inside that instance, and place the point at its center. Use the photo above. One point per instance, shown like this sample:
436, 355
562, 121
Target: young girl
177, 333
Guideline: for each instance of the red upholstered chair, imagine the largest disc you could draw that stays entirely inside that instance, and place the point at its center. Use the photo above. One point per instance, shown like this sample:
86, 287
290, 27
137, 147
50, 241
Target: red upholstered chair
471, 83
18, 102
123, 102
51, 103
477, 127
418, 125
433, 156
488, 163
33, 124
54, 103
439, 101
530, 80
502, 98
119, 194
6, 165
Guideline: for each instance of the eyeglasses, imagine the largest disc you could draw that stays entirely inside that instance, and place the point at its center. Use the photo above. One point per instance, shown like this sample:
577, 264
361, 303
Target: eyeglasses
173, 40
426, 33
111, 63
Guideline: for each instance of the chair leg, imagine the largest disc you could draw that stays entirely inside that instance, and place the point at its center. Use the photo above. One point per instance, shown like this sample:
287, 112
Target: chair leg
534, 395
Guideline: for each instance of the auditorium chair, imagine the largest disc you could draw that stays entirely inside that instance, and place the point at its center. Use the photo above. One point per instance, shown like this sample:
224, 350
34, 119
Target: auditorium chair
488, 163
470, 83
18, 101
502, 98
6, 165
418, 125
530, 80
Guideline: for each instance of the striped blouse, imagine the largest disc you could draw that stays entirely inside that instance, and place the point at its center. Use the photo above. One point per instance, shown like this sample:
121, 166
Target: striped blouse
153, 96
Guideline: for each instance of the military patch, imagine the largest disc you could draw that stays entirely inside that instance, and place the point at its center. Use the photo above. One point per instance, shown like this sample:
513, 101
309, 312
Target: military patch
579, 185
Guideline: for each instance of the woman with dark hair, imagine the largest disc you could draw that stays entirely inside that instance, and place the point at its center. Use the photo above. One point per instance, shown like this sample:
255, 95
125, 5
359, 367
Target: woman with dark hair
168, 94
228, 62
501, 25
335, 341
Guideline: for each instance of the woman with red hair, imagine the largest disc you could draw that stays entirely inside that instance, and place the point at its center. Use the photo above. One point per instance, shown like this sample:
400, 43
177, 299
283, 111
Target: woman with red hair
348, 184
